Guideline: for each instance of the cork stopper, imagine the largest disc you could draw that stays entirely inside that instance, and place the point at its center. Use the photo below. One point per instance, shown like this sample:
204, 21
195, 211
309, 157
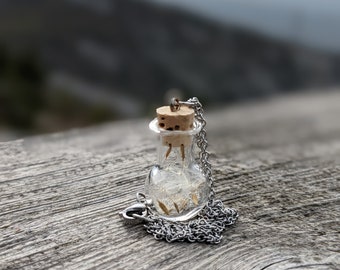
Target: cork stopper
180, 120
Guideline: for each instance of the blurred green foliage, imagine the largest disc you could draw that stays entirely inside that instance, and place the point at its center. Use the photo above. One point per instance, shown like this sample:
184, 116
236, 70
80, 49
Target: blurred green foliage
21, 89
28, 105
66, 111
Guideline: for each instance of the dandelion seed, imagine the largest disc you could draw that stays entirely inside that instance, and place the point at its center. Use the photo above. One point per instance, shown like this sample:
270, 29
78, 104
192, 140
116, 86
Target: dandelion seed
163, 207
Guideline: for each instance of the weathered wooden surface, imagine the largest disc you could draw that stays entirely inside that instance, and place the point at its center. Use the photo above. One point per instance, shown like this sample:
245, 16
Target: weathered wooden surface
277, 162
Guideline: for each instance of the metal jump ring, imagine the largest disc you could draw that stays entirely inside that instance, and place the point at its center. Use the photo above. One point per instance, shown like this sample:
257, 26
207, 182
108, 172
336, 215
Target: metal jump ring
174, 105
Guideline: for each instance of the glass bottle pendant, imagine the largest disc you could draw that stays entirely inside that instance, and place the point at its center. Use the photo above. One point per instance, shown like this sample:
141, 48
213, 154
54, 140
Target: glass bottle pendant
180, 203
176, 185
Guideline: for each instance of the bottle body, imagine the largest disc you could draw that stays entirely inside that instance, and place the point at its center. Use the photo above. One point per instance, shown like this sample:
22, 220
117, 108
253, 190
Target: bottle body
176, 184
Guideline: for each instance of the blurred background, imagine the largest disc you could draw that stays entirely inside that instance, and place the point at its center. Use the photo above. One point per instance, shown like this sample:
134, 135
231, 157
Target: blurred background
74, 63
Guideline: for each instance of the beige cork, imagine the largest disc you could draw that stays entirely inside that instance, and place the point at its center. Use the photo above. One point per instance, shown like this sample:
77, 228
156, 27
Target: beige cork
180, 120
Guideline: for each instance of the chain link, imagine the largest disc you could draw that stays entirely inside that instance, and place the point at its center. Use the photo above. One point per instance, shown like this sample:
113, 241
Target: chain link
202, 143
212, 219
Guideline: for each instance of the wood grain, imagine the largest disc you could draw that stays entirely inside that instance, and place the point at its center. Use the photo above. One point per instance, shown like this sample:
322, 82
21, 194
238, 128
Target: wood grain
277, 162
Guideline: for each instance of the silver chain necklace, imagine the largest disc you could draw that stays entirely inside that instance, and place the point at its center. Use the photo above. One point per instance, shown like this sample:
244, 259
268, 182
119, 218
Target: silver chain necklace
209, 223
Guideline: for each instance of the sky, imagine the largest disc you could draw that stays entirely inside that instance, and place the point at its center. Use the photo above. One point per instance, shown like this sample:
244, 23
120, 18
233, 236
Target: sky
314, 23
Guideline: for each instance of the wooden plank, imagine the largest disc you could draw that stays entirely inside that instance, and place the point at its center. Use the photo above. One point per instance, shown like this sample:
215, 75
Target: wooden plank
277, 162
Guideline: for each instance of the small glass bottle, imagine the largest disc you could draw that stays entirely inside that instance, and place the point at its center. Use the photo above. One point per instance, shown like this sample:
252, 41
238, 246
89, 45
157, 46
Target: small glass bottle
176, 185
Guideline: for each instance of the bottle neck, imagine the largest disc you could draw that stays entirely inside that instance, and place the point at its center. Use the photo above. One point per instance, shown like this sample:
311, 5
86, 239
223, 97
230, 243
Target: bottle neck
178, 154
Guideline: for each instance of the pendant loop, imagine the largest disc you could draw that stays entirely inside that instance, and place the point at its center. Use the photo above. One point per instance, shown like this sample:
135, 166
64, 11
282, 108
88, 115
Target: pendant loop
174, 105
